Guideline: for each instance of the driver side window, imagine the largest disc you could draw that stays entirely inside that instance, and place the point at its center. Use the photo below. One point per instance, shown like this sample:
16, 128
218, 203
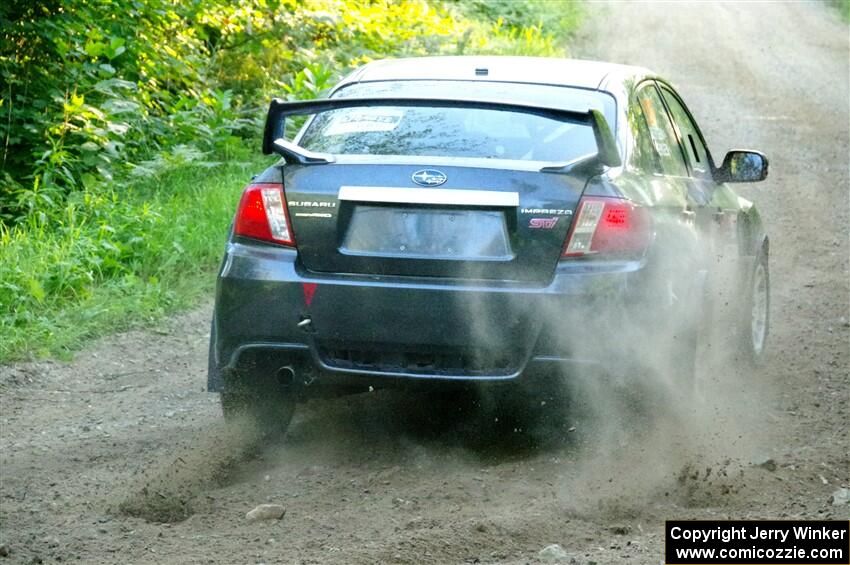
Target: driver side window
690, 137
657, 141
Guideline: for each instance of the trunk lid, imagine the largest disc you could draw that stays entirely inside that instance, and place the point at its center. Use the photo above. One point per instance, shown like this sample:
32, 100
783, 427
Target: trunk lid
480, 223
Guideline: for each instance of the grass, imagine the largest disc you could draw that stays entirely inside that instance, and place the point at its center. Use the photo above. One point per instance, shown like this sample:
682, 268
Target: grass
60, 287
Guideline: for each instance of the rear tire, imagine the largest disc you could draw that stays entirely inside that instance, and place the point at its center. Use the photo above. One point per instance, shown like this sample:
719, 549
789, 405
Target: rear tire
534, 408
670, 354
260, 398
754, 322
270, 407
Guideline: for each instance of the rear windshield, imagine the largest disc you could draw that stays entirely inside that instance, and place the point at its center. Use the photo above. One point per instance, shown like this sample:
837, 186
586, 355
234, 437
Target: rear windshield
456, 132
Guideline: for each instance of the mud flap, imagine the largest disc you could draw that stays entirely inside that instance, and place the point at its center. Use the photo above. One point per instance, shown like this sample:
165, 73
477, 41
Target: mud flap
214, 379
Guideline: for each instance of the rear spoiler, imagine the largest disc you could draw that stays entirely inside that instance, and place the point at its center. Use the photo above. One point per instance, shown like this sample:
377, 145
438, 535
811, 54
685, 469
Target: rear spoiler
279, 110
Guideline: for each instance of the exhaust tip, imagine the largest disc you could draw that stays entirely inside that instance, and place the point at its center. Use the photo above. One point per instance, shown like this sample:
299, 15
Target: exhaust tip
286, 375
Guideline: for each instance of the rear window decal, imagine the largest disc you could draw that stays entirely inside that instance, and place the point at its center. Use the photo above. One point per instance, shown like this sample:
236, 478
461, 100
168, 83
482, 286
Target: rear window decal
363, 120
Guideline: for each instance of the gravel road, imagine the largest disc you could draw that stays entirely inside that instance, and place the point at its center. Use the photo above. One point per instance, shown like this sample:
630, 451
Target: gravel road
120, 456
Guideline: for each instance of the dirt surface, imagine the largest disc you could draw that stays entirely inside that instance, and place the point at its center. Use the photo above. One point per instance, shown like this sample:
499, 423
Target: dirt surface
120, 456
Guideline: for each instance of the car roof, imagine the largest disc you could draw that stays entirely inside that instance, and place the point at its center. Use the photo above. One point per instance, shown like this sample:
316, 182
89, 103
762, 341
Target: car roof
534, 70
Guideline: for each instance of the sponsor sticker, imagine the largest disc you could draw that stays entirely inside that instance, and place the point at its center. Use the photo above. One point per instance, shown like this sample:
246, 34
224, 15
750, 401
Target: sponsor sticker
364, 120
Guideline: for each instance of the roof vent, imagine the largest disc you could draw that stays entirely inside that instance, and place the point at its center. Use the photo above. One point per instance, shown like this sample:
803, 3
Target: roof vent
481, 72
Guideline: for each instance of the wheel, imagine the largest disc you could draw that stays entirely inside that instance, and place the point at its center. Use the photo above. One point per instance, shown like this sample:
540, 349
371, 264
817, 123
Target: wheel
533, 408
268, 407
258, 396
261, 398
668, 355
755, 313
213, 371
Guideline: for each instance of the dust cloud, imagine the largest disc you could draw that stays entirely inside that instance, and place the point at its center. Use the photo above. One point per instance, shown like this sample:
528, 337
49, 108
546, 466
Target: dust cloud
638, 428
627, 433
173, 487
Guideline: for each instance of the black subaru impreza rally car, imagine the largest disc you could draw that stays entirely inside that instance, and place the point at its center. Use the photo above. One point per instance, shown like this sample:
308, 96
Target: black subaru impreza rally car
480, 220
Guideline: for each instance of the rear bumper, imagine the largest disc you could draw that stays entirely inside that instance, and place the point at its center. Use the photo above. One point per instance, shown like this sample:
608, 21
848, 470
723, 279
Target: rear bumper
371, 329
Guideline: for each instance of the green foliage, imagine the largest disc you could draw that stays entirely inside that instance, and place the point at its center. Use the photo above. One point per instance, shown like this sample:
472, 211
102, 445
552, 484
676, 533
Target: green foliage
552, 18
91, 87
843, 7
125, 125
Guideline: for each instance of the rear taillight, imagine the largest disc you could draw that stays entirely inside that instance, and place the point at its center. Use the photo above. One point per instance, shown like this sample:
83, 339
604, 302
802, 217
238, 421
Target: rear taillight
262, 214
608, 226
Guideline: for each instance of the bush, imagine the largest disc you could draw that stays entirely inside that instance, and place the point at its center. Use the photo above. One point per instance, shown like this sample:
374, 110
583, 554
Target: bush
126, 127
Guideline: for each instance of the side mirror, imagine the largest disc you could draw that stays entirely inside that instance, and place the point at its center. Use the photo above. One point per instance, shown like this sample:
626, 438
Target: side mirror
742, 166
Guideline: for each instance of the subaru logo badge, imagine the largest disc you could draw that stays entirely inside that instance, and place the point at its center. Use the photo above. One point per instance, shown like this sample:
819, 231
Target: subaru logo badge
429, 177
